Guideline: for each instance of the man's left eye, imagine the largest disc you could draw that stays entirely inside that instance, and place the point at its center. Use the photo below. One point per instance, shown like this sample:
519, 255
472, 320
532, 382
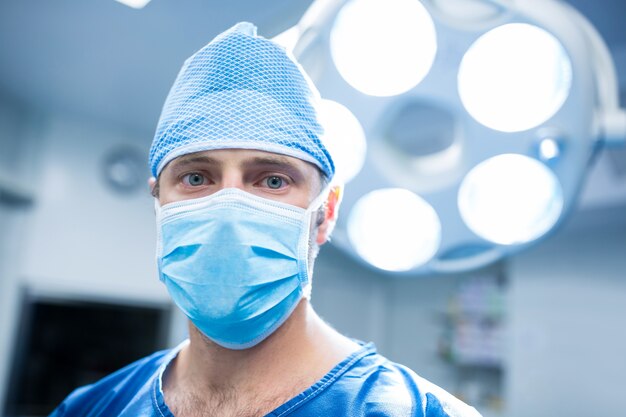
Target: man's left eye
194, 179
274, 182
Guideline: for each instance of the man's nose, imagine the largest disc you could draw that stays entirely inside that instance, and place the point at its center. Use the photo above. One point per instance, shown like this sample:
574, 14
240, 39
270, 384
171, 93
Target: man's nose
232, 179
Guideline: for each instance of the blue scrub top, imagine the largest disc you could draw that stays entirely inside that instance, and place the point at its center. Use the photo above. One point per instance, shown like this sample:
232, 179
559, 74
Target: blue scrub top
363, 384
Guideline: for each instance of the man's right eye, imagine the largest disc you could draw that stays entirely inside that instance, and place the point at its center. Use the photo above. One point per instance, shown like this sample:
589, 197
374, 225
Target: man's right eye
194, 179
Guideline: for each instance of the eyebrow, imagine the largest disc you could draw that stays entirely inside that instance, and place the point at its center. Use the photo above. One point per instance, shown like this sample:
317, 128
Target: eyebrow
275, 162
269, 160
186, 160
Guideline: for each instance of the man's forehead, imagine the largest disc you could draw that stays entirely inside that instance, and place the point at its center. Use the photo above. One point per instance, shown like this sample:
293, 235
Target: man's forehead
241, 157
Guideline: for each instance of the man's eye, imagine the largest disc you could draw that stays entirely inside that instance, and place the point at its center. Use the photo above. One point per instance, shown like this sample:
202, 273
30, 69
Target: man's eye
193, 179
274, 182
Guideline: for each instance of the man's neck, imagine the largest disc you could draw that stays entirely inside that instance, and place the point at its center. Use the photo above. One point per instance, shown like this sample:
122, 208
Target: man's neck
296, 355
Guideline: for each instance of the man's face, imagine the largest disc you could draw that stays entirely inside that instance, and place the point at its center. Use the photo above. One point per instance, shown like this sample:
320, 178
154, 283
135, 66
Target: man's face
268, 175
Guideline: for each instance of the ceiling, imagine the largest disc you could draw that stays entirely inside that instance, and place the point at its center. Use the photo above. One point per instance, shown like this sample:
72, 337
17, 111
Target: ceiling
111, 62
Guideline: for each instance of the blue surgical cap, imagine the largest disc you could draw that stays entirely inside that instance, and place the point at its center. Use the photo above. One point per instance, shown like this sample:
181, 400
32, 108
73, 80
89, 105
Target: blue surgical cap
241, 91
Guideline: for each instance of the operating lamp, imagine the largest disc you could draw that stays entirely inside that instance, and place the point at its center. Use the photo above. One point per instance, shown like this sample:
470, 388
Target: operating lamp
462, 128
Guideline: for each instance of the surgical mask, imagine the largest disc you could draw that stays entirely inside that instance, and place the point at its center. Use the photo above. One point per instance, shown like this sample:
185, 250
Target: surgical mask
234, 263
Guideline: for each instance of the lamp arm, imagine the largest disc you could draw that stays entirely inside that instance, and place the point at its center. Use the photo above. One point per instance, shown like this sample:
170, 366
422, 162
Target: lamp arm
611, 118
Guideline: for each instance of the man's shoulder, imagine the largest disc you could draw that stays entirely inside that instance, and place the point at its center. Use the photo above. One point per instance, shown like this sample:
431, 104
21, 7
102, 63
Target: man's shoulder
381, 385
114, 391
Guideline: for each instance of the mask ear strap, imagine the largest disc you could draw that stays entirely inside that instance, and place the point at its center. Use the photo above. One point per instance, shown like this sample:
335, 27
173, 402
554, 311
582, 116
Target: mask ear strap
313, 212
320, 199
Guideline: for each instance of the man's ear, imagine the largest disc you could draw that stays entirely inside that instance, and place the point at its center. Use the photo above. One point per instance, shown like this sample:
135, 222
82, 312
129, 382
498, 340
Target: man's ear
152, 183
331, 210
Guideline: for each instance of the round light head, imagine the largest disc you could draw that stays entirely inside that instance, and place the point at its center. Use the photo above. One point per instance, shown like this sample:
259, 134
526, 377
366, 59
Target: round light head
383, 48
344, 138
394, 229
510, 199
549, 149
514, 77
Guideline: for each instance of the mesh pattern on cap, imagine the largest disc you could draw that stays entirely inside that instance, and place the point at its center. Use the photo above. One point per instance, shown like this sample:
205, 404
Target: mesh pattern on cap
241, 91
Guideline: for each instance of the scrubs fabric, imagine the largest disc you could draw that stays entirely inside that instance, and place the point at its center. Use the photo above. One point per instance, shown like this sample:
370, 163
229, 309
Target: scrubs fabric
363, 384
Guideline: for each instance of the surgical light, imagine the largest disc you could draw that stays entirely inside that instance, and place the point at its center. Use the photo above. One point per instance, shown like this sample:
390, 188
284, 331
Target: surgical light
514, 77
288, 39
549, 149
344, 138
383, 48
481, 119
394, 229
510, 199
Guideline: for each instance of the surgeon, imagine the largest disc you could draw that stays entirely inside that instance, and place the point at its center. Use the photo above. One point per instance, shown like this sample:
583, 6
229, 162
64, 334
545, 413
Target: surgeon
244, 196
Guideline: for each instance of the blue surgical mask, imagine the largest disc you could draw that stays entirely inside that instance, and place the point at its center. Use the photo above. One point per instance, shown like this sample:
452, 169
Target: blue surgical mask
234, 263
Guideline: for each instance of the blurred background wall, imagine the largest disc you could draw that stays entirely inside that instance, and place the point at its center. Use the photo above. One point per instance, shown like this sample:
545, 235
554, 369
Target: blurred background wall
81, 86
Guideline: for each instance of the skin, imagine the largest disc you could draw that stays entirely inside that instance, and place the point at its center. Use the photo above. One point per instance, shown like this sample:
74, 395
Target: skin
207, 379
